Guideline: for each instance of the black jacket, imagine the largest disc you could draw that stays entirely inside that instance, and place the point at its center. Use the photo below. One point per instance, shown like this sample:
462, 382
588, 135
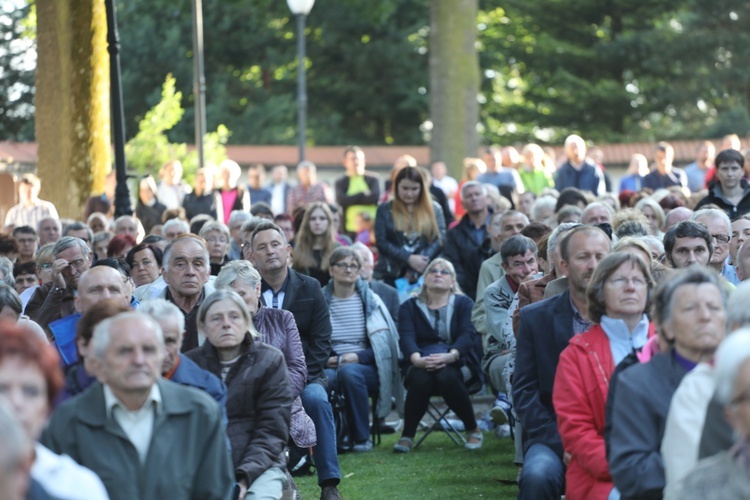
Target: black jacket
639, 414
197, 205
259, 402
716, 196
149, 216
466, 255
304, 299
392, 244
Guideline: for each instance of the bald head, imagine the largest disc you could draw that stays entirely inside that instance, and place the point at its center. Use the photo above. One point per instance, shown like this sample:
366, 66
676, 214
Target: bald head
99, 283
677, 215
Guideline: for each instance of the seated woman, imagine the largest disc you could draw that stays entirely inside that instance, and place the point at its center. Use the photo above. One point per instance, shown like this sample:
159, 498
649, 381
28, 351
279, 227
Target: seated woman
259, 397
30, 380
11, 309
443, 349
725, 475
217, 236
409, 229
314, 242
277, 328
145, 263
689, 314
364, 347
617, 299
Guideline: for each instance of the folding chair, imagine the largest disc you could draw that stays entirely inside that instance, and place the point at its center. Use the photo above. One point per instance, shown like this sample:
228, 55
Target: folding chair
442, 423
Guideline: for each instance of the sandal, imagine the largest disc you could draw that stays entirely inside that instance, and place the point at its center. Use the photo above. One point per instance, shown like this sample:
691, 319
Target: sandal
474, 435
404, 445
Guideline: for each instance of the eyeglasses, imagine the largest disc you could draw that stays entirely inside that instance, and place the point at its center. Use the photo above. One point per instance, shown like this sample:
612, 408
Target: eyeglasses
78, 263
46, 265
444, 272
721, 238
347, 267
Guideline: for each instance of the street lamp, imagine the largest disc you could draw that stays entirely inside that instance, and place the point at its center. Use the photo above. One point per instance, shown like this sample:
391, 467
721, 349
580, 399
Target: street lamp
301, 8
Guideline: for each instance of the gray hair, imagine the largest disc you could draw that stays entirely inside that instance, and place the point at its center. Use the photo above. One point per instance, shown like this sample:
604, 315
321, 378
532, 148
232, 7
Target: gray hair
238, 216
738, 314
362, 250
663, 303
517, 244
161, 308
218, 296
554, 238
176, 223
306, 164
249, 225
102, 335
9, 298
234, 270
6, 268
101, 236
266, 226
653, 243
470, 184
57, 221
122, 218
341, 253
78, 226
597, 204
214, 226
732, 353
69, 242
183, 238
655, 207
713, 213
542, 203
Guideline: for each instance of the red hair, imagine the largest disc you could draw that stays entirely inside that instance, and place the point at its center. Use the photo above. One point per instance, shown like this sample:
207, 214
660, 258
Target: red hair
120, 243
17, 341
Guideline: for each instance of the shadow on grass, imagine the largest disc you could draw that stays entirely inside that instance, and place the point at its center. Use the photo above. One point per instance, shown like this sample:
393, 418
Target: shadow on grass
438, 469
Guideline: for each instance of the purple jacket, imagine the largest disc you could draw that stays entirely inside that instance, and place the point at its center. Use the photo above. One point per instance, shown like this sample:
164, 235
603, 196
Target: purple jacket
278, 328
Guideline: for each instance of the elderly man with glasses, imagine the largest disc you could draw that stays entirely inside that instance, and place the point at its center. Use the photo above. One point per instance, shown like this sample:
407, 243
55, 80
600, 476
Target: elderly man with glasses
718, 225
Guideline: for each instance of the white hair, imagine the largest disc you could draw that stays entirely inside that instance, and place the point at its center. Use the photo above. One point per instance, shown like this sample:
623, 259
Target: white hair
362, 249
733, 352
738, 313
542, 203
713, 213
178, 223
161, 308
103, 331
188, 237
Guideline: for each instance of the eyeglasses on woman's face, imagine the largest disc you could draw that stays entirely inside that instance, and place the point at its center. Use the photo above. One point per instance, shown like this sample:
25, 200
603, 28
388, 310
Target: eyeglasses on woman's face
344, 266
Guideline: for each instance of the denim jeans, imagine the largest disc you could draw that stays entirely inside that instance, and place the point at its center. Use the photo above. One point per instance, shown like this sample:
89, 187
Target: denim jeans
315, 402
357, 382
543, 474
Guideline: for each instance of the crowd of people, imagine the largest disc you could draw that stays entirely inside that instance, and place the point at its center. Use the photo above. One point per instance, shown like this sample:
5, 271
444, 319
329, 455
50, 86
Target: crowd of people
227, 337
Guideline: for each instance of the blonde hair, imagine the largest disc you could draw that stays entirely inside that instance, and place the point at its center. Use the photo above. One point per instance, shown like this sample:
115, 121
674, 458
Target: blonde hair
473, 168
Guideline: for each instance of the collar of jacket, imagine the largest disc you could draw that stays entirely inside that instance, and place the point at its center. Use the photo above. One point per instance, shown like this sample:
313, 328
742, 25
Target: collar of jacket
362, 288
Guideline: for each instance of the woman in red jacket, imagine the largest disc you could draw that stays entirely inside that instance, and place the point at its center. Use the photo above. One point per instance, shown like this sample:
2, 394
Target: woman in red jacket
617, 295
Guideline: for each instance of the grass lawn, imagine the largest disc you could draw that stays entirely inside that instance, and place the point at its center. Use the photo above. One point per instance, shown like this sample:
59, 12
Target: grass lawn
437, 469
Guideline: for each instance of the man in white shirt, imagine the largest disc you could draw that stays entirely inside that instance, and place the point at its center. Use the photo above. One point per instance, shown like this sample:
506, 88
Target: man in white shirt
30, 209
144, 436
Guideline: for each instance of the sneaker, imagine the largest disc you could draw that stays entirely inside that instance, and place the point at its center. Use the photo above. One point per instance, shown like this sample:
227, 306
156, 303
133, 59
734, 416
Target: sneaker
363, 447
500, 410
478, 437
404, 445
502, 431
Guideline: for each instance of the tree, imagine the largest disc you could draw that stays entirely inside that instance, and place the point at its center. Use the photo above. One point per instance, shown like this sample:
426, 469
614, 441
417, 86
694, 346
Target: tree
454, 82
17, 61
72, 101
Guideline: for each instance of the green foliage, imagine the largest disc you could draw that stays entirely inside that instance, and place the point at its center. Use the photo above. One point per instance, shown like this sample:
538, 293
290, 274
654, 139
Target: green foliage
151, 148
16, 72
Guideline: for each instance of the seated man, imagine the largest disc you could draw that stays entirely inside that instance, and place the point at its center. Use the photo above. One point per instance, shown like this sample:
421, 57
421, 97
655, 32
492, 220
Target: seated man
134, 421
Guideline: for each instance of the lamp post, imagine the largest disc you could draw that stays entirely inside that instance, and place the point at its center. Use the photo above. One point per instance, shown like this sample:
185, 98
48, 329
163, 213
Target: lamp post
301, 8
122, 193
199, 81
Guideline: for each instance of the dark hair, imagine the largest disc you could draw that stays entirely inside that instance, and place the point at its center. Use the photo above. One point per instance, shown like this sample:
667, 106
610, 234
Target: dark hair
571, 196
118, 243
24, 268
197, 222
9, 297
728, 156
687, 229
352, 149
517, 244
78, 226
261, 208
283, 217
8, 244
631, 228
17, 341
341, 253
130, 257
153, 238
565, 242
117, 264
605, 269
173, 213
536, 230
24, 230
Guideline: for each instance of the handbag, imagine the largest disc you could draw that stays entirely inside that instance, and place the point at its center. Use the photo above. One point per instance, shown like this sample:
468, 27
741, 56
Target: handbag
340, 419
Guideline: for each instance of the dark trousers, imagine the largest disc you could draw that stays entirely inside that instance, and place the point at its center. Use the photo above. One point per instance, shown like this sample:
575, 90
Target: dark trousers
447, 382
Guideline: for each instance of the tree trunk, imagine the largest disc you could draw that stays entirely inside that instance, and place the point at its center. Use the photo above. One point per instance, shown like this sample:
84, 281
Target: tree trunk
72, 102
454, 82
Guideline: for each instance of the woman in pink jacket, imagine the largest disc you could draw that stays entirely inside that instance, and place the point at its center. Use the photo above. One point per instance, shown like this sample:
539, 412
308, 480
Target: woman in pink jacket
618, 295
